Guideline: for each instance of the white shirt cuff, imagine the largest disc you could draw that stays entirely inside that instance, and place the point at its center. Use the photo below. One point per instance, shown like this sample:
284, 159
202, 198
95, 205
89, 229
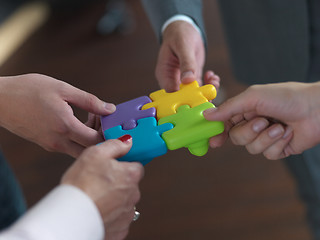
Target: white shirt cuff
179, 17
66, 213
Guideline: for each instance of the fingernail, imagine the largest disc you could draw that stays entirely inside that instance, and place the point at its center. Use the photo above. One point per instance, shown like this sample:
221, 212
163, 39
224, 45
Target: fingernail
210, 110
210, 74
208, 114
276, 131
110, 107
188, 74
259, 125
287, 132
125, 138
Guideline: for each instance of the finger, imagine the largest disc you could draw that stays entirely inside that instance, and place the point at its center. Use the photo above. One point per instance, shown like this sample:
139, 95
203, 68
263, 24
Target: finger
93, 122
135, 173
219, 140
122, 223
188, 77
87, 101
240, 104
167, 70
251, 115
279, 149
97, 125
116, 235
211, 78
116, 148
191, 63
237, 119
245, 132
265, 139
188, 66
65, 146
84, 135
73, 149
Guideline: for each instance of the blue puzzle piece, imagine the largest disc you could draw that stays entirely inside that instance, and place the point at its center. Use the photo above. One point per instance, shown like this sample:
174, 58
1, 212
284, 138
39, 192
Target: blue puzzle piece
127, 114
146, 140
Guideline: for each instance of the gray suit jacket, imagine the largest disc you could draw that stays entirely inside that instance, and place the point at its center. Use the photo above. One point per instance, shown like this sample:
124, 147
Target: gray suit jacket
268, 39
160, 11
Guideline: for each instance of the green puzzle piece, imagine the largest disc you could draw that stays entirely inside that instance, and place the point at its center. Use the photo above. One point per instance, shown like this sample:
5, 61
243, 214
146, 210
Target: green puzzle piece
191, 129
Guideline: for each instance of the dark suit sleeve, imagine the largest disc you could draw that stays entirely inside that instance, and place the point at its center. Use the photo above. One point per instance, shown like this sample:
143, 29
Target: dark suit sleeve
160, 11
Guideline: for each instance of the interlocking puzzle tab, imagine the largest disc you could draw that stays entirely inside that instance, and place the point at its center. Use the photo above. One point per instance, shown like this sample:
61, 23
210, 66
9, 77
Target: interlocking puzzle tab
181, 122
127, 114
191, 129
189, 94
146, 139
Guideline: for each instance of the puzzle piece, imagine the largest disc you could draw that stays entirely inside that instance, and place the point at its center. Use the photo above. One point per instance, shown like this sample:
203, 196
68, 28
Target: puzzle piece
127, 114
189, 94
191, 129
146, 140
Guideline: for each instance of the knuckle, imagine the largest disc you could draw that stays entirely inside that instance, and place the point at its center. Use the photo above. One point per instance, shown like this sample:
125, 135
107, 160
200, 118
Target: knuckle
93, 152
254, 88
136, 196
55, 146
241, 136
236, 139
134, 172
124, 233
252, 150
63, 87
34, 75
270, 156
63, 128
91, 100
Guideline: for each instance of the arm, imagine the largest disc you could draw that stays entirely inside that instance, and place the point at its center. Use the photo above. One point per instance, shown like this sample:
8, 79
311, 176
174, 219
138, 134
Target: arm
277, 120
182, 53
95, 199
159, 11
37, 107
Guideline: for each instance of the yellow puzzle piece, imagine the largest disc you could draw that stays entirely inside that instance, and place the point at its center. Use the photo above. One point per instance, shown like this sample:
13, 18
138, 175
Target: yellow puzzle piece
189, 94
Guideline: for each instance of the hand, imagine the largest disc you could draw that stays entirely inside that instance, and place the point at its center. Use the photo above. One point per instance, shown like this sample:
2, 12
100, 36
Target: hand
37, 107
181, 58
111, 184
277, 120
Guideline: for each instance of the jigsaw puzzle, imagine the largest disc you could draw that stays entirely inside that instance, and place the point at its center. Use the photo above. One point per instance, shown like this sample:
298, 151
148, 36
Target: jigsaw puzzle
180, 122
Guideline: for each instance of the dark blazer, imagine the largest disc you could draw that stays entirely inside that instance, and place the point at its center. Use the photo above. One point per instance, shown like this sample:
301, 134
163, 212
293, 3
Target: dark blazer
268, 39
160, 11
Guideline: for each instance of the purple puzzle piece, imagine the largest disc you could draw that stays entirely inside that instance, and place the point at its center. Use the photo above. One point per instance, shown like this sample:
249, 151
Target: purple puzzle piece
127, 114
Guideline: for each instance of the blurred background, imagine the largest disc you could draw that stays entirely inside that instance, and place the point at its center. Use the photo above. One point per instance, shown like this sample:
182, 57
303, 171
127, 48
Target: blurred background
109, 49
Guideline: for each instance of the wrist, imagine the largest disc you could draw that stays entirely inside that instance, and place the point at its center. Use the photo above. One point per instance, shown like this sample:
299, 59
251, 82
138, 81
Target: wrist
182, 18
4, 90
181, 32
313, 91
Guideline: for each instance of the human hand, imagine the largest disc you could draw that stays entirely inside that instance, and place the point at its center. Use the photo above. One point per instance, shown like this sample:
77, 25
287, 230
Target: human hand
181, 58
111, 184
37, 107
277, 120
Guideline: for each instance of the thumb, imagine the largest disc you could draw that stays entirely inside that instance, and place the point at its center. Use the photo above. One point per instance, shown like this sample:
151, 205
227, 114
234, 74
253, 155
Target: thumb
88, 102
187, 62
188, 68
116, 148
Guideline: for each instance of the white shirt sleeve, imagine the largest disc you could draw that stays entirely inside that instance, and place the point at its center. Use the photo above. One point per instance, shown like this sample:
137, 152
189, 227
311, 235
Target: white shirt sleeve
66, 213
179, 17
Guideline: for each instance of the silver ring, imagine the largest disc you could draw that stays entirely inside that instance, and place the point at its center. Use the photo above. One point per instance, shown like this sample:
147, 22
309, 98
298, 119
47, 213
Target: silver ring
136, 215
